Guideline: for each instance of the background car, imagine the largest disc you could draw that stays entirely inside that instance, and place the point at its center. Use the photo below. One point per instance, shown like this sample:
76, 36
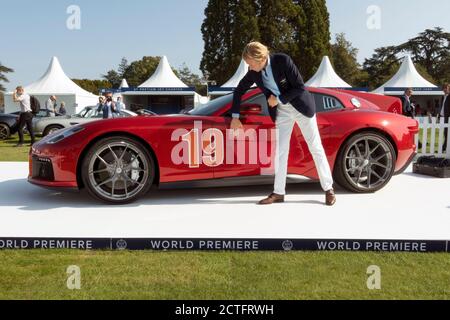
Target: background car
118, 160
48, 125
8, 125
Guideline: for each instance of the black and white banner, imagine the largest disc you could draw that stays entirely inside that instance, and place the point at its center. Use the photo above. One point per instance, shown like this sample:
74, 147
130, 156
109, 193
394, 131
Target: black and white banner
163, 244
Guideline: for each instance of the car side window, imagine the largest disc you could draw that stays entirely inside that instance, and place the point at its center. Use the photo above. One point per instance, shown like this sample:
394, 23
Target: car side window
261, 100
326, 103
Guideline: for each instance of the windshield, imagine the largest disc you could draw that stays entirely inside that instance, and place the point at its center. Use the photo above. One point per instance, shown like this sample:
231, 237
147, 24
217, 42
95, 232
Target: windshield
88, 112
211, 107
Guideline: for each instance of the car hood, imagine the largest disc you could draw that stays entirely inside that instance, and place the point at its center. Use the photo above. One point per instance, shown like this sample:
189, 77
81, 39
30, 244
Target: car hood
129, 122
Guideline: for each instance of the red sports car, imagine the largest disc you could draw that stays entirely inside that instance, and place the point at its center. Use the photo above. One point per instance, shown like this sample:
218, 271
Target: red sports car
118, 160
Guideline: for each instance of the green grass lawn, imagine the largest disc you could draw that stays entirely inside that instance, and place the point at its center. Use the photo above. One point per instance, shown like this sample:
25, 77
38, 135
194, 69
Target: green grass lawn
8, 151
222, 275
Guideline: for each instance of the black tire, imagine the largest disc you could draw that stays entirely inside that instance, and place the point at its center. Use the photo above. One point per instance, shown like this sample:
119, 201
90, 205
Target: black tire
51, 128
118, 170
356, 172
5, 131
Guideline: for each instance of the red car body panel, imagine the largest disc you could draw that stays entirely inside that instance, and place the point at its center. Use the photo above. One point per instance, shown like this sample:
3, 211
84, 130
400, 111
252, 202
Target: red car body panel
155, 132
385, 103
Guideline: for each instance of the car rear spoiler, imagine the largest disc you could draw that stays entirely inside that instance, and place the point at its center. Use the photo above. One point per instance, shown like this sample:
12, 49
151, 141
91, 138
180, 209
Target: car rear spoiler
385, 103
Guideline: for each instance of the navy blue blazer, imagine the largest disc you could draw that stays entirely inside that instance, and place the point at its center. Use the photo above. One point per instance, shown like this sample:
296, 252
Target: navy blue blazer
289, 82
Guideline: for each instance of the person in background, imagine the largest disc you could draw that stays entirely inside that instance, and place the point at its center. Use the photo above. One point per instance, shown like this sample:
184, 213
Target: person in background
120, 105
408, 106
62, 109
26, 114
50, 106
109, 107
444, 112
99, 106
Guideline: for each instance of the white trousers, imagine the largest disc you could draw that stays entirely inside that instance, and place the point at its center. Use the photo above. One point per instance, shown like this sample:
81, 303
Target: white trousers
287, 116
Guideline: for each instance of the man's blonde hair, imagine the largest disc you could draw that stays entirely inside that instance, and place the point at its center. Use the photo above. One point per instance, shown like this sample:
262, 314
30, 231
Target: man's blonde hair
255, 51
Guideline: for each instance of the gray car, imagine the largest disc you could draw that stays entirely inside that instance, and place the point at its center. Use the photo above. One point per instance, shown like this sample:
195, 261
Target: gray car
47, 125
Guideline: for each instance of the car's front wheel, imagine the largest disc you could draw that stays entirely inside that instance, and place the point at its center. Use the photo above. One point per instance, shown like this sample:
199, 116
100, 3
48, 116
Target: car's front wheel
5, 132
118, 170
365, 163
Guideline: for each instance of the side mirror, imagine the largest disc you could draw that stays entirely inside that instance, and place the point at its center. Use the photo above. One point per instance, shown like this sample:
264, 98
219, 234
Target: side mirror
251, 109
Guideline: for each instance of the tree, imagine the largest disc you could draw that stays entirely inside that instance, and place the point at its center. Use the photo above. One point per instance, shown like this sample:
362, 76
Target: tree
344, 59
430, 52
139, 71
216, 31
431, 49
113, 77
3, 70
381, 66
93, 86
123, 66
279, 22
313, 36
191, 79
244, 28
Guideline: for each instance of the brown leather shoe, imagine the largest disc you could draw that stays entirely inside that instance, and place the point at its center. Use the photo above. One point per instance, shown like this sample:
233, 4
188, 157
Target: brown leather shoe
330, 197
273, 198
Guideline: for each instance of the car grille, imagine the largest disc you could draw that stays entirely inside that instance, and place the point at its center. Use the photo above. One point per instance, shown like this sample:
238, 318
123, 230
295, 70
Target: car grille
42, 169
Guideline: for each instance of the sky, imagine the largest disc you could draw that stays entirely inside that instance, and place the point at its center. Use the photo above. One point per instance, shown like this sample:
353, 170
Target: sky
34, 31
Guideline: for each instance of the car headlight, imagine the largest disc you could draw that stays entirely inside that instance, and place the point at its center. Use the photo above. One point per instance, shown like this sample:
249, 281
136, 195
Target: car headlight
63, 134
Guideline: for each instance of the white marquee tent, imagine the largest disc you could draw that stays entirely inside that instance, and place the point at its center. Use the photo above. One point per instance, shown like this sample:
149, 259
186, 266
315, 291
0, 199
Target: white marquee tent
326, 77
55, 82
233, 82
426, 96
124, 84
163, 92
408, 77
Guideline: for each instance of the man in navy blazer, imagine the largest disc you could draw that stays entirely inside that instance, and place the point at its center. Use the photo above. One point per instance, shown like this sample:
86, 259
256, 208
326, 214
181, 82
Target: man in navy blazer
289, 103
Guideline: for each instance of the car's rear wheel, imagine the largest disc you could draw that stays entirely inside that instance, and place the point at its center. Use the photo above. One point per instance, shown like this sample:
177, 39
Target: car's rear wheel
5, 131
118, 170
366, 163
51, 129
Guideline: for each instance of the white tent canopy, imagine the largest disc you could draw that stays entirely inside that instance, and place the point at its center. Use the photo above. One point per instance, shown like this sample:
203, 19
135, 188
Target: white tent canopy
237, 77
56, 82
233, 82
163, 77
326, 77
164, 83
407, 77
124, 84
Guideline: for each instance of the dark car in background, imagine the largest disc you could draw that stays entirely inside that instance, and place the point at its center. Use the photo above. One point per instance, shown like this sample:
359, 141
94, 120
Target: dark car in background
8, 125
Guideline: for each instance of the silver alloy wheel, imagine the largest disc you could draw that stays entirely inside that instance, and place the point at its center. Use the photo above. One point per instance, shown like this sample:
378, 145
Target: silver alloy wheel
52, 130
4, 132
118, 171
368, 162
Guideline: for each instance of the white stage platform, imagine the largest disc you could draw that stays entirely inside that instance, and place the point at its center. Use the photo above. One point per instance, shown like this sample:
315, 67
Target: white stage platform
411, 207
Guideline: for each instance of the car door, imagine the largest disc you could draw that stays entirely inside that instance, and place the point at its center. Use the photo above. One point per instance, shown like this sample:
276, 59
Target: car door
252, 151
180, 147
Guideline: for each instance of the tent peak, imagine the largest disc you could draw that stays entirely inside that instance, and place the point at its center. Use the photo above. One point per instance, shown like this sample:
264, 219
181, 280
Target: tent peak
406, 76
163, 77
326, 77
